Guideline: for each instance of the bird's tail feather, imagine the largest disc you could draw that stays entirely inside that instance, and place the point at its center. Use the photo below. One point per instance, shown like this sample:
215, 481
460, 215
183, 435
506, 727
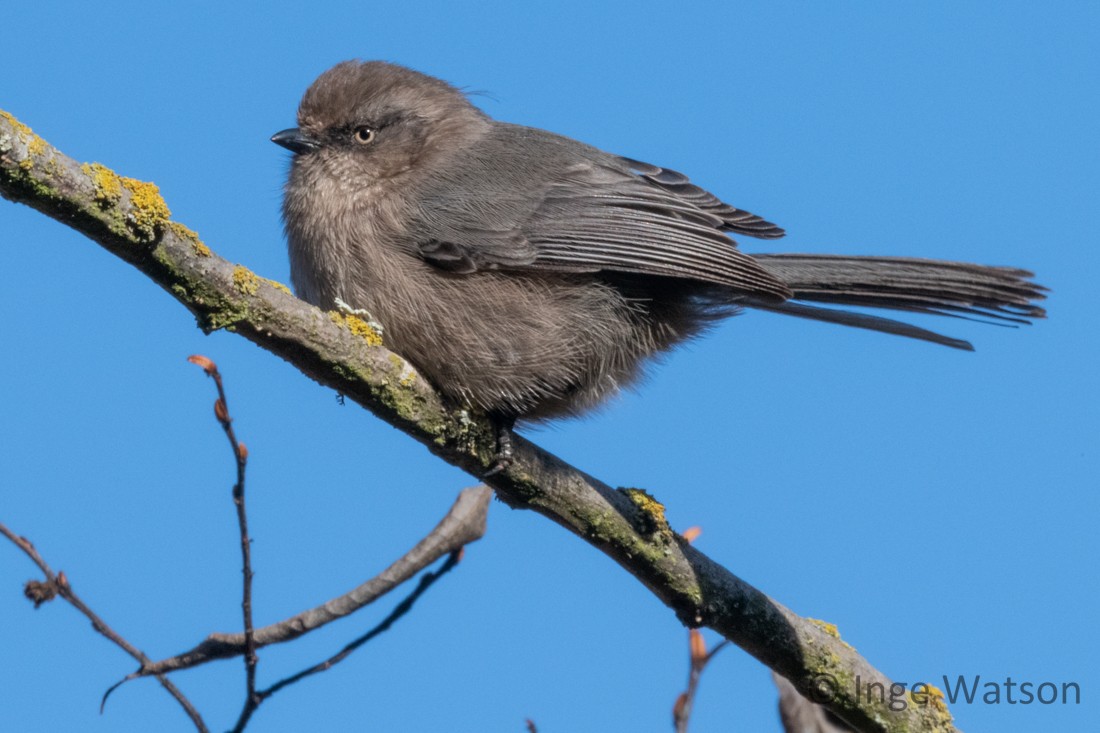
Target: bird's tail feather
1002, 295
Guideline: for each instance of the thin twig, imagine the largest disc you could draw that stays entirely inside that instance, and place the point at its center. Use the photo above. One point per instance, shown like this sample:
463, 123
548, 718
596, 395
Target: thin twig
464, 523
58, 585
240, 455
681, 711
402, 608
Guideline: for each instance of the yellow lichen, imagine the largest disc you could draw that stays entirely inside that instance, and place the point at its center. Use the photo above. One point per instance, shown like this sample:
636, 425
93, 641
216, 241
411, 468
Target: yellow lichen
245, 280
652, 508
36, 148
825, 626
191, 236
935, 696
276, 284
108, 189
406, 375
22, 130
830, 629
358, 326
149, 212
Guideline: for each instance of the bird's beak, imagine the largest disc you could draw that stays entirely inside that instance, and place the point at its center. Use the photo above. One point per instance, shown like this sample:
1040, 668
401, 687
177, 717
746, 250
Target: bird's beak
293, 140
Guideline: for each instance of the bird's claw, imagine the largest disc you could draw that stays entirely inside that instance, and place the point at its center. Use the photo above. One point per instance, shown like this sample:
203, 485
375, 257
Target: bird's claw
506, 454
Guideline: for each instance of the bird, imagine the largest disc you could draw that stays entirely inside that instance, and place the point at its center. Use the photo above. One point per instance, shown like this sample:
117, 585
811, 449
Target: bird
530, 276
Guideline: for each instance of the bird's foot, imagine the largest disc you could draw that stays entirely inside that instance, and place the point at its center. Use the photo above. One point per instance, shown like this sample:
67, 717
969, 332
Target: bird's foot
505, 454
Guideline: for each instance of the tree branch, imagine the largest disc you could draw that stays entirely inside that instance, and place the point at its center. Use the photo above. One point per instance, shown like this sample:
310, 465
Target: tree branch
240, 457
402, 608
129, 219
58, 585
464, 523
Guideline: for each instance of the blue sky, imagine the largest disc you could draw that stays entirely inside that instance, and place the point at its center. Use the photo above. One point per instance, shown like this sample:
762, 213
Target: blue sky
938, 506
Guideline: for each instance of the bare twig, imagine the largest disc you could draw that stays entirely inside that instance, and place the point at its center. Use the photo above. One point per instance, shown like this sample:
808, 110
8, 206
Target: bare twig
58, 585
464, 523
240, 456
400, 610
129, 219
681, 711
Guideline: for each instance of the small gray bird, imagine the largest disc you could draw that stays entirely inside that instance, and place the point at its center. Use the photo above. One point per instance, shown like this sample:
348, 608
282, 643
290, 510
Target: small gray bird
530, 276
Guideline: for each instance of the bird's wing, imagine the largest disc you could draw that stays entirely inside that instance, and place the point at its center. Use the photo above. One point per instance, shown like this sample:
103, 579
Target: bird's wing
588, 213
732, 219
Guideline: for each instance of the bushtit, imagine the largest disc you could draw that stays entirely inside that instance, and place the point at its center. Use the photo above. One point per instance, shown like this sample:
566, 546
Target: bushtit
530, 276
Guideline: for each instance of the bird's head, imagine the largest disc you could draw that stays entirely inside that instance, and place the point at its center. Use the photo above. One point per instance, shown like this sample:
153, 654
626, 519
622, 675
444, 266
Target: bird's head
365, 122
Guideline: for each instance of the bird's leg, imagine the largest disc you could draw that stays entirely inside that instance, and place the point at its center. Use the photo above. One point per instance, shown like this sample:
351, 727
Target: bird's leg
505, 449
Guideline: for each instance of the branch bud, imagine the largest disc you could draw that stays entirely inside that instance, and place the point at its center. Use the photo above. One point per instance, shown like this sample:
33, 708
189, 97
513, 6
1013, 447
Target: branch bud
207, 365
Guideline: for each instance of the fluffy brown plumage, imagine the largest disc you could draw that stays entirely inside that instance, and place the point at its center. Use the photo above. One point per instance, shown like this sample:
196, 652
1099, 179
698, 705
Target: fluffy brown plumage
529, 275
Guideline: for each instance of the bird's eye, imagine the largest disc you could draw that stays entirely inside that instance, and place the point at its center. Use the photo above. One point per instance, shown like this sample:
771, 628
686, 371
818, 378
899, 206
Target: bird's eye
363, 135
